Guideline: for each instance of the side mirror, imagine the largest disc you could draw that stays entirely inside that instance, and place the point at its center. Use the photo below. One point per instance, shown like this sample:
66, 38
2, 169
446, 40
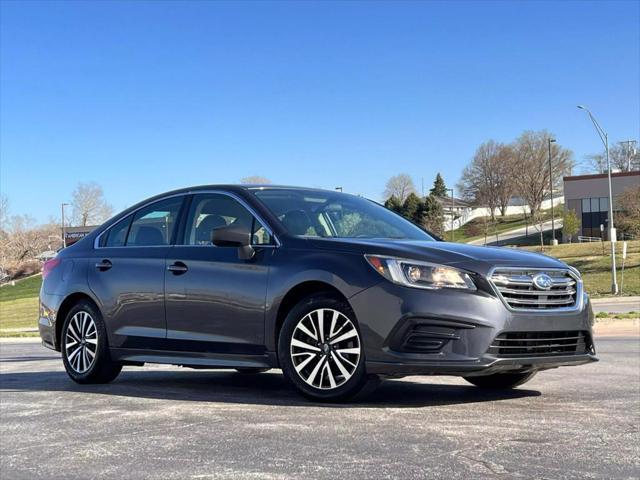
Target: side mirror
234, 236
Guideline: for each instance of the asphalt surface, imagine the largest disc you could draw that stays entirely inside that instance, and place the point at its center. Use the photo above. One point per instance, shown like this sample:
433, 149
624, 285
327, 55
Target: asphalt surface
616, 305
171, 423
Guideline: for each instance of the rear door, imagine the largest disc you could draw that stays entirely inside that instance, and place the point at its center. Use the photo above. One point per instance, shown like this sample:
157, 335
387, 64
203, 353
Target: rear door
215, 301
127, 274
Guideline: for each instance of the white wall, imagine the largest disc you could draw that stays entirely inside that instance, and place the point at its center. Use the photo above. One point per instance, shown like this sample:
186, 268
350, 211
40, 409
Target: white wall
470, 213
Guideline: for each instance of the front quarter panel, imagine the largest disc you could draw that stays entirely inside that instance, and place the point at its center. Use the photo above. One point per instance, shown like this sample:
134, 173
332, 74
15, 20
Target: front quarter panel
348, 273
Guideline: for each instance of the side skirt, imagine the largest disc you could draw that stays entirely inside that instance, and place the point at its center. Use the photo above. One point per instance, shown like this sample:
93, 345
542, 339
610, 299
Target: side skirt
197, 360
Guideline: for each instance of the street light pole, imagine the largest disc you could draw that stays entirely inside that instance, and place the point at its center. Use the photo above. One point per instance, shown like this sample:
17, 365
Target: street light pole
612, 231
64, 236
452, 217
553, 227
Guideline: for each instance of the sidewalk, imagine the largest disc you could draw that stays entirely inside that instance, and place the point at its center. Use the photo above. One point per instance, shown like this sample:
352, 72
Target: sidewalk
616, 304
517, 233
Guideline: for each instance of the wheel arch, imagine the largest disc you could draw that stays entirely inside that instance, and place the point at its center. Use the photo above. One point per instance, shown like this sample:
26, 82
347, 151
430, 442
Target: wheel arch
64, 308
297, 293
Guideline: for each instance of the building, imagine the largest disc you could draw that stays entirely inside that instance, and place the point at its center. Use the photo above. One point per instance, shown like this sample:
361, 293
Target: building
73, 234
588, 196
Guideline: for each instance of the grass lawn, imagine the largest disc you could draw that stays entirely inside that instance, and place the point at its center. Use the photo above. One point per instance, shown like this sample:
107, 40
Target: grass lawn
474, 230
19, 306
596, 268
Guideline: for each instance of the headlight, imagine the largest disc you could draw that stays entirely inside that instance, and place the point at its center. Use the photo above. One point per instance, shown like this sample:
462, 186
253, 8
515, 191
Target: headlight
416, 274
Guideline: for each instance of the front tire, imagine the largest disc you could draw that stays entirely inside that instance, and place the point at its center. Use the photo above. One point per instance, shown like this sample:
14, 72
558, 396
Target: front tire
501, 380
320, 349
84, 346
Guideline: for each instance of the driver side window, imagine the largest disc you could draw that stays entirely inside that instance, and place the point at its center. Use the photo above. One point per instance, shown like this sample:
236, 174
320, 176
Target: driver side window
211, 211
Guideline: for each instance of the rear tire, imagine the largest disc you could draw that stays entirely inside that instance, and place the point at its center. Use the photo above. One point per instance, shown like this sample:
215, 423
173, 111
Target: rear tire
320, 349
85, 347
501, 380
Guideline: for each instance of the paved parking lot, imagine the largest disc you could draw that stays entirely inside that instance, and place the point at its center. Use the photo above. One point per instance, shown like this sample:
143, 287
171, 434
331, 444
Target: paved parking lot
171, 423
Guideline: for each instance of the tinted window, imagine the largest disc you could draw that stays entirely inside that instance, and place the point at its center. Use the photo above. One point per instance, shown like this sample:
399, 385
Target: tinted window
154, 225
328, 214
117, 235
211, 211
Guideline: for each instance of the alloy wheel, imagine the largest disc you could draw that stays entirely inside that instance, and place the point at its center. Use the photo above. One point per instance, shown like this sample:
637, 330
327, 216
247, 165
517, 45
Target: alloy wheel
81, 342
325, 348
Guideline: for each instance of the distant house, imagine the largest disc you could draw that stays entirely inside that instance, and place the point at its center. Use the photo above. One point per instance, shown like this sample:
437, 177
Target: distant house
455, 205
46, 255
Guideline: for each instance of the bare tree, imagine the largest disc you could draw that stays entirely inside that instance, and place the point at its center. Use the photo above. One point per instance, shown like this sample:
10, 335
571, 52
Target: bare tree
399, 186
532, 173
255, 180
488, 180
597, 162
622, 157
89, 205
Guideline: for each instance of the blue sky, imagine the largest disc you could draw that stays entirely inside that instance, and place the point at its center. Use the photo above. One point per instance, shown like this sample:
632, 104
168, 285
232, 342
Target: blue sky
143, 97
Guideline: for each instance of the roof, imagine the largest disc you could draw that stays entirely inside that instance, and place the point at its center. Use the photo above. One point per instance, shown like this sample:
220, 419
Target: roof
600, 175
457, 202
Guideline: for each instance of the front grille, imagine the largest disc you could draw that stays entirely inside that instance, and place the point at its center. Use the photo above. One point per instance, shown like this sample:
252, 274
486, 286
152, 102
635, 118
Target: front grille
518, 290
540, 344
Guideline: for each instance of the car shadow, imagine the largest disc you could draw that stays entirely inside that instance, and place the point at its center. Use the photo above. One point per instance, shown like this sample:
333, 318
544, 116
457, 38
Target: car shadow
256, 389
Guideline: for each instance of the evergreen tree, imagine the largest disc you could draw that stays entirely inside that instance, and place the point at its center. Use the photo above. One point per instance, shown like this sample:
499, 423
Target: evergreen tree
394, 204
432, 215
439, 187
411, 208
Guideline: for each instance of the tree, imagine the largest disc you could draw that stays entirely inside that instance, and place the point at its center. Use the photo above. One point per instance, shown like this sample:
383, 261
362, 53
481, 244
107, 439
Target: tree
399, 186
622, 157
411, 208
393, 204
570, 223
628, 219
531, 151
488, 180
255, 180
89, 205
439, 188
431, 215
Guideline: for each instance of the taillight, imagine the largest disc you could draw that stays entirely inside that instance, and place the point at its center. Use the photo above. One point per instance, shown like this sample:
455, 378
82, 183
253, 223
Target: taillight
48, 266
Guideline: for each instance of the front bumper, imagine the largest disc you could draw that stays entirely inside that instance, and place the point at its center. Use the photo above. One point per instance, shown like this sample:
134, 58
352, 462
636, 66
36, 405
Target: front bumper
484, 366
462, 328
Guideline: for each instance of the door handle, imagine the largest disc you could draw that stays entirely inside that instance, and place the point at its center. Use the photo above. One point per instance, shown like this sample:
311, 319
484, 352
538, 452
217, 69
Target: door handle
178, 268
104, 265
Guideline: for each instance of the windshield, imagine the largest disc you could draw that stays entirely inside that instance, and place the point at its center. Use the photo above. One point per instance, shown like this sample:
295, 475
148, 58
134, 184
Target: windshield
311, 213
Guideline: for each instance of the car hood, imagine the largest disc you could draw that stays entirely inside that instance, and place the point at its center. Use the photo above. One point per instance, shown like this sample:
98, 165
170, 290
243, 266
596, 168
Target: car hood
473, 257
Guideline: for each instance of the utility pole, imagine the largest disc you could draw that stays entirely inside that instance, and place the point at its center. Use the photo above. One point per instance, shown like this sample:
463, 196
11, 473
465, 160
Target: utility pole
553, 227
631, 151
612, 231
64, 236
452, 207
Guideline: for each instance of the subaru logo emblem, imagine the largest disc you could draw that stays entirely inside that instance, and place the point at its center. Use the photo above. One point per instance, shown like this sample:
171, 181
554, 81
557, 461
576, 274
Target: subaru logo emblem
542, 281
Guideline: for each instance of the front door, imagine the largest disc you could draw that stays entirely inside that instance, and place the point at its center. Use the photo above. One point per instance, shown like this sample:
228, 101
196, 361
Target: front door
215, 301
